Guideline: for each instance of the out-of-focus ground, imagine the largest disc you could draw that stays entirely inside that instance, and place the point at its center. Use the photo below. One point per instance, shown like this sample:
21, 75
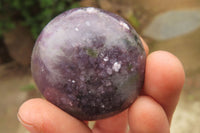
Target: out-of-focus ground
172, 25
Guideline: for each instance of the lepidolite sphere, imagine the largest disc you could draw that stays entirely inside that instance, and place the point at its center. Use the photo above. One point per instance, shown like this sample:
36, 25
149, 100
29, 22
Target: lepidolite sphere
89, 62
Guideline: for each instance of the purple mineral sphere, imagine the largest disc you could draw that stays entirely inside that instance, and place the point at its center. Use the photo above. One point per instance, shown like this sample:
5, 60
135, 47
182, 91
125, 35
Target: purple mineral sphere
89, 62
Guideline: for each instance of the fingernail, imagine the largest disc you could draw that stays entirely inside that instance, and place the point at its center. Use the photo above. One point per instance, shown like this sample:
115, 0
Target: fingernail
28, 126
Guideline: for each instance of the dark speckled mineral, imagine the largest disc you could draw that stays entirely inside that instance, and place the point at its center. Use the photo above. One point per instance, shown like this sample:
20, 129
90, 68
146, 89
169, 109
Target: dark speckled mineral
89, 62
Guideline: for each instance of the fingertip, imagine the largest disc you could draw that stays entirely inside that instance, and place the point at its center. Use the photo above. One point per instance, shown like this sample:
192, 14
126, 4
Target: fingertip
24, 112
164, 79
165, 71
145, 115
38, 115
163, 60
25, 117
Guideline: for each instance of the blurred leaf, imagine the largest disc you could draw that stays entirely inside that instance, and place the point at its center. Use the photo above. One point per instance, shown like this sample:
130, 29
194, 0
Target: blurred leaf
1, 5
60, 7
28, 87
34, 14
46, 13
35, 31
134, 21
10, 25
28, 2
75, 5
46, 3
16, 4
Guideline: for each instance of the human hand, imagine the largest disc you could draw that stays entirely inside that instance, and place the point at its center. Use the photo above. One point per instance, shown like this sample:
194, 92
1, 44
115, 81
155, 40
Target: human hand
150, 113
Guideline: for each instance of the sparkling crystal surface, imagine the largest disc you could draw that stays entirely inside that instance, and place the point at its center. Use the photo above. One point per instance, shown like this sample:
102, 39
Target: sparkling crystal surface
89, 62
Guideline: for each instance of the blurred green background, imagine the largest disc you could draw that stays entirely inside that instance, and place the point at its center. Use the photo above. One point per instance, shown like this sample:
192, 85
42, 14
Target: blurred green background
172, 25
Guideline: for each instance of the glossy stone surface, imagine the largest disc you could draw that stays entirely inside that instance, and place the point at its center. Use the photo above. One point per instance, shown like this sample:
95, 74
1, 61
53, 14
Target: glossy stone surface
89, 62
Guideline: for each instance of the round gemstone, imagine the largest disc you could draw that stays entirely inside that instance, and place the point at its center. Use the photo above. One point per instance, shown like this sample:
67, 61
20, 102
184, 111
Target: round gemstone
89, 62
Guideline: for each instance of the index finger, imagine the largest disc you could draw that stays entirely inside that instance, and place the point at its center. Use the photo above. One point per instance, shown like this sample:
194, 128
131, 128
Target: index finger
40, 116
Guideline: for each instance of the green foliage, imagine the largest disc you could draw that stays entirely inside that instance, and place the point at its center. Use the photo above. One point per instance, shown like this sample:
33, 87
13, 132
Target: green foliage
134, 21
28, 87
34, 14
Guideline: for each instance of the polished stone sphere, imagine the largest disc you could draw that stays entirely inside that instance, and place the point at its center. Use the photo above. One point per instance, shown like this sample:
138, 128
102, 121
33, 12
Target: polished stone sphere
89, 62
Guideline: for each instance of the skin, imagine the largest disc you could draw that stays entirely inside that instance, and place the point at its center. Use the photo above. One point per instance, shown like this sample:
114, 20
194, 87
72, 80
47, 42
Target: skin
151, 112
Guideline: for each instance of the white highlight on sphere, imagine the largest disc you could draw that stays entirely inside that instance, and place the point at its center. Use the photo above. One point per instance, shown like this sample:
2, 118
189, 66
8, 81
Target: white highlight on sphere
106, 58
91, 10
103, 106
124, 25
76, 29
116, 66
